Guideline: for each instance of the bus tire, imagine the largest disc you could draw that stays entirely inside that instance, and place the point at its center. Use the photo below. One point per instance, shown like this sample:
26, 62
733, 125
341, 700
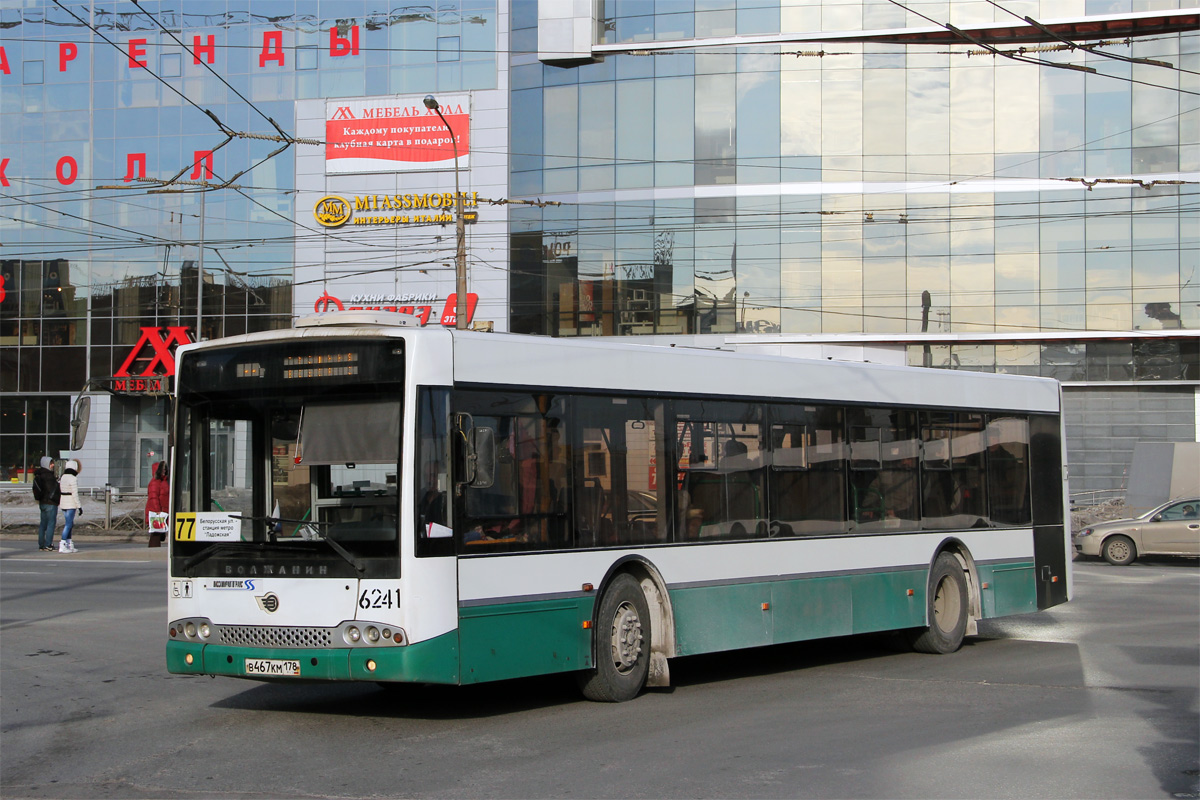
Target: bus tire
622, 629
947, 610
1119, 550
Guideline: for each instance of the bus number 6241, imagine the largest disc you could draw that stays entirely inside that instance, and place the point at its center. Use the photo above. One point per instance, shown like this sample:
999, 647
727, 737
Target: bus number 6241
377, 598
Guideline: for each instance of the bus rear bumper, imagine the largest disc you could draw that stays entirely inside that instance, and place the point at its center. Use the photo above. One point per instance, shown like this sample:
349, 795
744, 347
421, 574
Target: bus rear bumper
431, 661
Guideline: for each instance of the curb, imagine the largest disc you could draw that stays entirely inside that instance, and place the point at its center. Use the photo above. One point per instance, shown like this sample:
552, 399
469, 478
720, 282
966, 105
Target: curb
28, 533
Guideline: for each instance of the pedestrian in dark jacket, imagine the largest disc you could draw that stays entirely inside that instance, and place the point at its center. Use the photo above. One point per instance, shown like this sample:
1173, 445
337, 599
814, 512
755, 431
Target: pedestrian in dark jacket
45, 491
158, 499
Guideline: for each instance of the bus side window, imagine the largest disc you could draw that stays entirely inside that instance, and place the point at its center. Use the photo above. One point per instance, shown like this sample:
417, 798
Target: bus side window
721, 455
884, 446
433, 474
953, 489
1008, 470
616, 487
525, 506
807, 480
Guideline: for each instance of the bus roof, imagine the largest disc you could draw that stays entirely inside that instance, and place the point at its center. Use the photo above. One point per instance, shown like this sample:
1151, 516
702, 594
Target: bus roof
489, 358
521, 360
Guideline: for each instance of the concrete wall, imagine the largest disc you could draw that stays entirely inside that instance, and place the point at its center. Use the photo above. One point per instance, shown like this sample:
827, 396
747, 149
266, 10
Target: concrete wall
1162, 471
1106, 424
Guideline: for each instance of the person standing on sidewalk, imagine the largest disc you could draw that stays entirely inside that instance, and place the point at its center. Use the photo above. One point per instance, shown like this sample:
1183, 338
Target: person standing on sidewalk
69, 503
45, 491
158, 499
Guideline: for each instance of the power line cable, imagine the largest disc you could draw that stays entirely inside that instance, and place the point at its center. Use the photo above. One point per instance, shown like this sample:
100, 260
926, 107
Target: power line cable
1022, 58
204, 63
1091, 48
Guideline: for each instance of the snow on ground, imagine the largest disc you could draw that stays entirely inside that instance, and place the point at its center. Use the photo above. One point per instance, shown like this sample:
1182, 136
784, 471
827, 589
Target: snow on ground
19, 509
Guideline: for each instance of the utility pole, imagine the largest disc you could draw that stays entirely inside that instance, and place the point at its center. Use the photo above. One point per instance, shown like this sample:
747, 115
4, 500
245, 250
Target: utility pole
200, 268
460, 258
926, 353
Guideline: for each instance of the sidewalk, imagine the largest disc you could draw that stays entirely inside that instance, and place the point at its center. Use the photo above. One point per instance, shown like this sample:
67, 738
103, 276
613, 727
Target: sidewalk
19, 514
80, 533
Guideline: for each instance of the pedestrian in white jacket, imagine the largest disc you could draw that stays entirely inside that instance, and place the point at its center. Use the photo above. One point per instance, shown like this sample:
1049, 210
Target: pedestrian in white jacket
68, 486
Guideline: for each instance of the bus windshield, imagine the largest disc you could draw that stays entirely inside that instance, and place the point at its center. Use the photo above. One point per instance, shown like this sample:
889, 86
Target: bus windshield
288, 484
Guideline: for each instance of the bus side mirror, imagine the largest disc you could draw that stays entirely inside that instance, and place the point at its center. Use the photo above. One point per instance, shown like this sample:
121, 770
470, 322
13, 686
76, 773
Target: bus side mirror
481, 458
478, 454
79, 422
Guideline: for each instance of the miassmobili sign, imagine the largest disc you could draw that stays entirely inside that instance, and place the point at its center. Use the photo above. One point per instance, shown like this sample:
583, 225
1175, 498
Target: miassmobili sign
333, 211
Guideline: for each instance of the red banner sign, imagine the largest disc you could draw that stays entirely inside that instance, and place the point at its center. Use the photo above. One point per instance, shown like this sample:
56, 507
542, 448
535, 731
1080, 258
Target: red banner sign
421, 313
392, 135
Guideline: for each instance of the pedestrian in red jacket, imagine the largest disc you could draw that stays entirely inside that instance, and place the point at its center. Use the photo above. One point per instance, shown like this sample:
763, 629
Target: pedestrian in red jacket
158, 499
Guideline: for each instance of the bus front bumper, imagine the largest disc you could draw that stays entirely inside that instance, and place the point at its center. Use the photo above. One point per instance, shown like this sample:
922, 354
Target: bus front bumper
431, 661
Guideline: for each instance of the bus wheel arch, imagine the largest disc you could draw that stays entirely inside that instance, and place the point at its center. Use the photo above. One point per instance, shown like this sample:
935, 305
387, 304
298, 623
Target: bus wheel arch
974, 587
660, 617
952, 589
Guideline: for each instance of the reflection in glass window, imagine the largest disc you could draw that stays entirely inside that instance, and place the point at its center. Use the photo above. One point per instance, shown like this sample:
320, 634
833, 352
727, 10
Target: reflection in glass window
1008, 470
448, 48
170, 65
883, 469
306, 57
807, 484
1064, 361
953, 476
721, 453
33, 72
433, 474
617, 490
525, 507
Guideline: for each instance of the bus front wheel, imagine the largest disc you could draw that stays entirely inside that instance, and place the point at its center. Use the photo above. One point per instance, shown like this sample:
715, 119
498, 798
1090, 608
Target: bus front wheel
947, 609
622, 633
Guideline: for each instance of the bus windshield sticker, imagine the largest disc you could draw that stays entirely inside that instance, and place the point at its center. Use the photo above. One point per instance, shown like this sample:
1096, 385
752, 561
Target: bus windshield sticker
207, 526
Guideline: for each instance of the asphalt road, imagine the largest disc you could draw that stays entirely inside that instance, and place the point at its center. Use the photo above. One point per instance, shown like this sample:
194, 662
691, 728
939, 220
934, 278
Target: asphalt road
1095, 699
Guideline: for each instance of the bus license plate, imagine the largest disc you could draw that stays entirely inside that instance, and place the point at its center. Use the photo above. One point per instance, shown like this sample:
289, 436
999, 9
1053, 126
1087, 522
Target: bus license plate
272, 667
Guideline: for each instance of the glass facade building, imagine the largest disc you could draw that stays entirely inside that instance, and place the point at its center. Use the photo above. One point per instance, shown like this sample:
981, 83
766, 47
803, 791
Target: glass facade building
838, 177
111, 116
858, 173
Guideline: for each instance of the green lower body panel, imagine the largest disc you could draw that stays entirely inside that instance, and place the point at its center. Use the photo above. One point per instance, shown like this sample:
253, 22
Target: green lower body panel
727, 617
432, 661
514, 640
1011, 589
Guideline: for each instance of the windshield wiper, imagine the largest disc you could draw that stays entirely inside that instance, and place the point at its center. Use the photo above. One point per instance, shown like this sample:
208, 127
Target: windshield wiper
347, 555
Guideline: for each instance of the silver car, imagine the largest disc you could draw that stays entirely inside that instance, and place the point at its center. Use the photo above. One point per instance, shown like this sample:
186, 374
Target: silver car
1171, 529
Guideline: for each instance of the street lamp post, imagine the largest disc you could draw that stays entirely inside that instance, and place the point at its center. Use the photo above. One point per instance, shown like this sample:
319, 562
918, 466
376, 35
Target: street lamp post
200, 269
460, 259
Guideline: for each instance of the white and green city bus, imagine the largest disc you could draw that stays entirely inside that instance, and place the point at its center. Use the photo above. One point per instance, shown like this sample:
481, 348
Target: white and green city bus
357, 501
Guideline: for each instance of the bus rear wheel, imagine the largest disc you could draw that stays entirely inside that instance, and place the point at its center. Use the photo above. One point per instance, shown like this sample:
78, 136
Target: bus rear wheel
622, 644
947, 609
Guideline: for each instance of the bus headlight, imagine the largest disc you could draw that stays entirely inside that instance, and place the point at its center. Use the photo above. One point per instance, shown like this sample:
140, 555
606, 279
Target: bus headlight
205, 631
190, 630
372, 634
353, 635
